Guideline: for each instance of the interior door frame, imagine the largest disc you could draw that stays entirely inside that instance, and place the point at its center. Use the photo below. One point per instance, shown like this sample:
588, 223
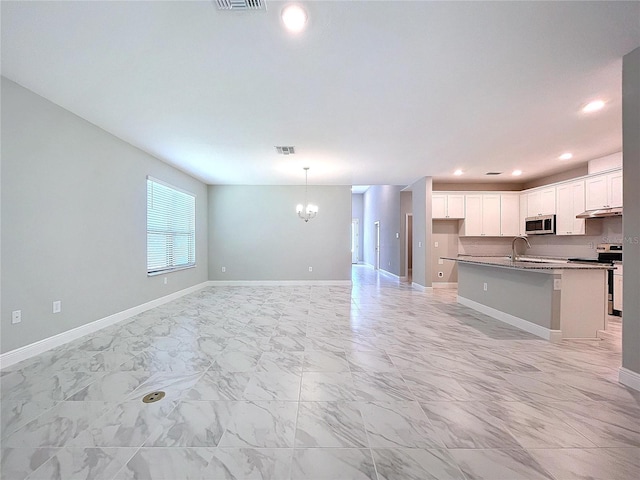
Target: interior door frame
376, 226
408, 242
355, 240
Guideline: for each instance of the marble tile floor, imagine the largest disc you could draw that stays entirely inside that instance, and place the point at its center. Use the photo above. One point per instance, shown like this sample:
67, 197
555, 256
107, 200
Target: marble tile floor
374, 381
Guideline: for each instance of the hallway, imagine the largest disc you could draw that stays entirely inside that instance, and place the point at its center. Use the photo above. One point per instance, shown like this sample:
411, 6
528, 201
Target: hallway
374, 381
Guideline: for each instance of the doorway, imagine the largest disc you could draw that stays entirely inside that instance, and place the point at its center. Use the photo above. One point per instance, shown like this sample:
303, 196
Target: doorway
377, 246
355, 240
408, 238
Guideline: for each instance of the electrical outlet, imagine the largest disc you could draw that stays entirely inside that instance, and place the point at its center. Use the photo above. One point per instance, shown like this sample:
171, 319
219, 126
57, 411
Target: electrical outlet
485, 286
435, 244
311, 269
224, 269
16, 316
419, 244
440, 261
397, 235
557, 284
57, 306
165, 280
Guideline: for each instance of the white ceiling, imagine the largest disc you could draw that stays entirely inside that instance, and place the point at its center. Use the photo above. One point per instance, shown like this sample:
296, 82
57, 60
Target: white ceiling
378, 92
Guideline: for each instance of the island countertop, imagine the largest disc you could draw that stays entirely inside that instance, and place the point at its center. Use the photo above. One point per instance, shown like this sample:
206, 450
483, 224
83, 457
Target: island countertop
527, 263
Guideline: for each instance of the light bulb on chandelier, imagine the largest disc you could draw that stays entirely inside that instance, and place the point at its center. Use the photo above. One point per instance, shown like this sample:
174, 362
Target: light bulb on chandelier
307, 211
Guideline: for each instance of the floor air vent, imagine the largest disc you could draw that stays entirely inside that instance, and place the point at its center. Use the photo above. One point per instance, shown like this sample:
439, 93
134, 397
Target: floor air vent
241, 4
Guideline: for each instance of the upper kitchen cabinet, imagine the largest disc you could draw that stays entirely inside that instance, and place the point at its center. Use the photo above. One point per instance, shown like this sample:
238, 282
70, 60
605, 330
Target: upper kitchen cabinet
604, 191
447, 206
570, 202
522, 227
541, 201
509, 215
482, 215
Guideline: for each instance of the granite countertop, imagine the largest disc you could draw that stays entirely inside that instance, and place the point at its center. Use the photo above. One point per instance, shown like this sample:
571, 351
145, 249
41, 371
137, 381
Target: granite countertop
528, 263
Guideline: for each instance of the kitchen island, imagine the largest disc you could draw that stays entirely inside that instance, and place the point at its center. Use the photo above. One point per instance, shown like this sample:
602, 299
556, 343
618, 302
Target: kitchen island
552, 299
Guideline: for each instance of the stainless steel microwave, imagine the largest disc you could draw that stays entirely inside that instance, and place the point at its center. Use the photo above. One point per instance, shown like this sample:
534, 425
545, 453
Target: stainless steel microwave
540, 225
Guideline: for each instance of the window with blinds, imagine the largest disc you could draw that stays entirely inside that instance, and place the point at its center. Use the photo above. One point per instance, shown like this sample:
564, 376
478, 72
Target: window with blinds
171, 228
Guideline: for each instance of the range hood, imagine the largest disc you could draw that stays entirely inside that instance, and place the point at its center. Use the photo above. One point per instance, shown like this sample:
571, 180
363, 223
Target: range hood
601, 213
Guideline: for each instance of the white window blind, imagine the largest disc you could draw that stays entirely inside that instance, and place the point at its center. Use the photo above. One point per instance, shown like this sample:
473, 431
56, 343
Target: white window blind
171, 228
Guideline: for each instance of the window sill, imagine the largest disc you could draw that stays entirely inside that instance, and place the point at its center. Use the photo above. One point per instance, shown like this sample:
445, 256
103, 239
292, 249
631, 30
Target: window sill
169, 270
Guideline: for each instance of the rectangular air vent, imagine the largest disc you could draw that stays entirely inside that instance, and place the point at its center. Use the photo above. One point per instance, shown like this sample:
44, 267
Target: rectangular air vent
286, 150
241, 4
493, 173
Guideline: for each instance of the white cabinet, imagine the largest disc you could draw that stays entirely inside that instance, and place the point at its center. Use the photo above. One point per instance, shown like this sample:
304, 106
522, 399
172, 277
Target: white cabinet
509, 215
473, 215
570, 202
482, 215
522, 230
447, 206
541, 202
604, 191
491, 215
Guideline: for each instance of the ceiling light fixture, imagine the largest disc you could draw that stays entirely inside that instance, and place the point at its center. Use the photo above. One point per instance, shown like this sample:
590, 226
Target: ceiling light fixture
566, 156
458, 172
593, 106
307, 211
517, 173
294, 18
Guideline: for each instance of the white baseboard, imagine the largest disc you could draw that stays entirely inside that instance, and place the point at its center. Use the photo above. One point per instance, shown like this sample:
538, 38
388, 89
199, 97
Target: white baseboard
629, 378
272, 283
420, 288
41, 346
553, 336
445, 284
389, 274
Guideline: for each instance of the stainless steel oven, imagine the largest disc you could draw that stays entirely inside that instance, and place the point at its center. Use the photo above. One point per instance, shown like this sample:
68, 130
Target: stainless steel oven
540, 225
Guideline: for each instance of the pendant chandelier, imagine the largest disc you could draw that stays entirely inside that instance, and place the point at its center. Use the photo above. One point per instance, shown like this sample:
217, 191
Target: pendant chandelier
307, 211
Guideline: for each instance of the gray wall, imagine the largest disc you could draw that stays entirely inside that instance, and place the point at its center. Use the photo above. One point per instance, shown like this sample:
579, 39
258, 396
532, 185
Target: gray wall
255, 234
631, 221
525, 294
421, 192
579, 171
382, 204
74, 221
357, 211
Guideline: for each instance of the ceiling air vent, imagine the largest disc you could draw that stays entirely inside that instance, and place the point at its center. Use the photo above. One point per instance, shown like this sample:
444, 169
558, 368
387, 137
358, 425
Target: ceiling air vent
493, 173
241, 4
286, 150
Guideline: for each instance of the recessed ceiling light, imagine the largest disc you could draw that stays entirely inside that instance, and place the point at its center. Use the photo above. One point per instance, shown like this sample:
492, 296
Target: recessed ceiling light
566, 156
593, 106
517, 173
294, 18
458, 172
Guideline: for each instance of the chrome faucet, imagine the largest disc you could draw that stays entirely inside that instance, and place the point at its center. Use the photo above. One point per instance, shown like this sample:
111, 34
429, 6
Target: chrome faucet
514, 257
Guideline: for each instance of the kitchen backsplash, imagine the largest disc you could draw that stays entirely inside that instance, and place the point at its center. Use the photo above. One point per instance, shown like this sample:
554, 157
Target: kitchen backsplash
610, 231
